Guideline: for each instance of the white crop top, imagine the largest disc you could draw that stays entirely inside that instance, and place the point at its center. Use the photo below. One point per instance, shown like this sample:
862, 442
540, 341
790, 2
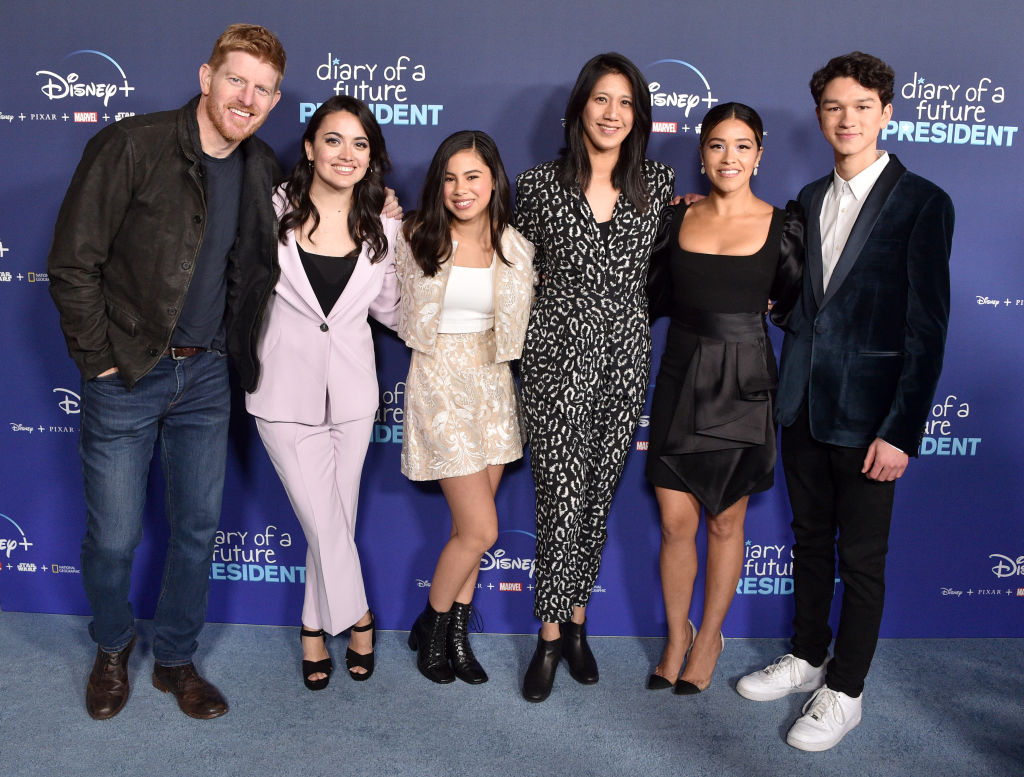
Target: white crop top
468, 300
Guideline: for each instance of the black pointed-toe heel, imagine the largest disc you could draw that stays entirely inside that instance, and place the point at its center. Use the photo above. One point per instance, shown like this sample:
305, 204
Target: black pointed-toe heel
686, 688
323, 666
658, 683
361, 660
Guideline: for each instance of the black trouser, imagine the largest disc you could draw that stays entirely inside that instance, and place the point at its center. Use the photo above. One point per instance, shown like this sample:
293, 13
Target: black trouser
836, 511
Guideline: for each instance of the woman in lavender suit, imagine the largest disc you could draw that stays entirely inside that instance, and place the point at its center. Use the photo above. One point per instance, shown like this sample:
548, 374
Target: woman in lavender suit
317, 394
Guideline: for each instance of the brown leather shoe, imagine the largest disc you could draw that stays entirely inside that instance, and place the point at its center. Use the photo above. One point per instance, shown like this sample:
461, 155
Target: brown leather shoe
196, 697
107, 690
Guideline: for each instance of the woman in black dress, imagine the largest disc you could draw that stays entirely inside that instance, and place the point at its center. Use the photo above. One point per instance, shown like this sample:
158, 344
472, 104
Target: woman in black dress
712, 435
593, 215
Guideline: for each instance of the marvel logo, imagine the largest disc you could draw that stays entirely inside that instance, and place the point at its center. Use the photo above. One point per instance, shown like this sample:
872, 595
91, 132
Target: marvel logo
89, 117
1020, 592
641, 445
663, 126
510, 586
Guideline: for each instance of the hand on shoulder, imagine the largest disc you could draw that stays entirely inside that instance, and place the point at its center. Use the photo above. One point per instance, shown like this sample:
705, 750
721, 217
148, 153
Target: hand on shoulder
392, 208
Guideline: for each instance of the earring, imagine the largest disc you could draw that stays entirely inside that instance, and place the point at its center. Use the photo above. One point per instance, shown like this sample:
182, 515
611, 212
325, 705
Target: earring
310, 163
755, 170
702, 169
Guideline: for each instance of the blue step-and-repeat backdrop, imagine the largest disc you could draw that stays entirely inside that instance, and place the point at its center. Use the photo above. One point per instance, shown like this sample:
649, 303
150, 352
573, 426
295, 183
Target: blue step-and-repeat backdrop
956, 564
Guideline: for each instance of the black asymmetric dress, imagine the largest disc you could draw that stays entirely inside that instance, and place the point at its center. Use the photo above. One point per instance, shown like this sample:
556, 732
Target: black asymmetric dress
712, 432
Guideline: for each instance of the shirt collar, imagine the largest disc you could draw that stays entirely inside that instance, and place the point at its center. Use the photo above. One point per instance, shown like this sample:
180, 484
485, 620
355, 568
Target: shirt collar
861, 183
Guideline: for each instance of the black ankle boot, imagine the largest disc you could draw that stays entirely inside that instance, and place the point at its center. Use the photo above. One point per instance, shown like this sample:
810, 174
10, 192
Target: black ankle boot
428, 637
464, 663
540, 674
576, 653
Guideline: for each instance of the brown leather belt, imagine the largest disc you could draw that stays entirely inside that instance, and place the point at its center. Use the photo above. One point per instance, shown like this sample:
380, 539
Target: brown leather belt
183, 353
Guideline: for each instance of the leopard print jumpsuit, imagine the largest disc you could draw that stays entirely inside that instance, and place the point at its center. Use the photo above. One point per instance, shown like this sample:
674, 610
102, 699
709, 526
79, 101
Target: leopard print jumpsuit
585, 368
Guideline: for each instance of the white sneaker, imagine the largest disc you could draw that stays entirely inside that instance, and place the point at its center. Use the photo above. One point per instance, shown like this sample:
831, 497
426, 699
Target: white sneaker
828, 715
782, 677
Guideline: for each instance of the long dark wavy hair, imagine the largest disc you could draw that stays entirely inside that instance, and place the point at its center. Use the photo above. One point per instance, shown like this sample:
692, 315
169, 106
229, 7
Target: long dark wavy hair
428, 230
368, 194
574, 161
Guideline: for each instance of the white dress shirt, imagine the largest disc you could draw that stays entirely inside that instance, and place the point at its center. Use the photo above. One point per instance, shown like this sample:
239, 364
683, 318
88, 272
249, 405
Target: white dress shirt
840, 208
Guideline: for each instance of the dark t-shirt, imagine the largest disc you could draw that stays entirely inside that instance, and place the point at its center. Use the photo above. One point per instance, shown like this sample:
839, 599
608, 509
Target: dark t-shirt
202, 318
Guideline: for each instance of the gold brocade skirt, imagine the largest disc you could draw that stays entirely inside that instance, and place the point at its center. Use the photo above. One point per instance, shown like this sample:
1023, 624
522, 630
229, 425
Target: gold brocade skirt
461, 409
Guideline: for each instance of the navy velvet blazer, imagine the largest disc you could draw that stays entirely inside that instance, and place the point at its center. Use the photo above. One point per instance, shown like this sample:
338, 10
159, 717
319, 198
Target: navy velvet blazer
866, 355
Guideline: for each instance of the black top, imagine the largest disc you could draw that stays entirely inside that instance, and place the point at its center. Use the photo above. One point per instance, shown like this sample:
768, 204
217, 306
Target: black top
202, 316
726, 283
328, 275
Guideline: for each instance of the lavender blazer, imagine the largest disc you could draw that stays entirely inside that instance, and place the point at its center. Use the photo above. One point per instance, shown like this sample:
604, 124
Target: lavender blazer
307, 357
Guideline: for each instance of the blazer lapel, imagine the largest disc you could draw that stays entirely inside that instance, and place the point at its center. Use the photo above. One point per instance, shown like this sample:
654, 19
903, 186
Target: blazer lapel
361, 275
501, 288
864, 224
814, 260
297, 288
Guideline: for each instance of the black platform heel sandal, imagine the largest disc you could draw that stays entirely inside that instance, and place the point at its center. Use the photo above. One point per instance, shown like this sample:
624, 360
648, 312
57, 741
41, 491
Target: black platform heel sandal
323, 666
354, 659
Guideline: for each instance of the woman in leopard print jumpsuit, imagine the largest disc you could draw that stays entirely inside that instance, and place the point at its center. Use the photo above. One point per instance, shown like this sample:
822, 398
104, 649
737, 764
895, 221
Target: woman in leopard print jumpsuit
592, 215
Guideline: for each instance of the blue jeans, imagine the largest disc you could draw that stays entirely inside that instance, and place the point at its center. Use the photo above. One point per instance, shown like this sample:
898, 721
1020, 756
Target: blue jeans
184, 405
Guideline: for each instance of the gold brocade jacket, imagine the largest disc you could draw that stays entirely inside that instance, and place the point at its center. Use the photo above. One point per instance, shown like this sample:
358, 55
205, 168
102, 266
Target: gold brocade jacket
423, 296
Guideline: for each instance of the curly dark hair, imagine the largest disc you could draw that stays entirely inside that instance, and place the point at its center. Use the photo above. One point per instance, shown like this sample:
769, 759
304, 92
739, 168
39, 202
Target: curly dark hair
367, 196
868, 71
574, 162
428, 229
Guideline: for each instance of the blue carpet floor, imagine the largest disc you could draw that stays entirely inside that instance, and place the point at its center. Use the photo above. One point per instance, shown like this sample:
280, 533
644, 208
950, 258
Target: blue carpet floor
931, 708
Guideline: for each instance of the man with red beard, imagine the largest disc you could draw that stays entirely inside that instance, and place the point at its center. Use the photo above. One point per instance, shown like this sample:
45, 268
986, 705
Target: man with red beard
162, 260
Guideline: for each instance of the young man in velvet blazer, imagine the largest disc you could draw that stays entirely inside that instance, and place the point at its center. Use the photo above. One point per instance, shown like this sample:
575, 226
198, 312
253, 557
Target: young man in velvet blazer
860, 363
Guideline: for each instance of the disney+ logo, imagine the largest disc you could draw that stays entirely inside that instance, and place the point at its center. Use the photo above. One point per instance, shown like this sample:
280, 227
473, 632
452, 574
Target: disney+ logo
70, 401
1006, 566
57, 86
